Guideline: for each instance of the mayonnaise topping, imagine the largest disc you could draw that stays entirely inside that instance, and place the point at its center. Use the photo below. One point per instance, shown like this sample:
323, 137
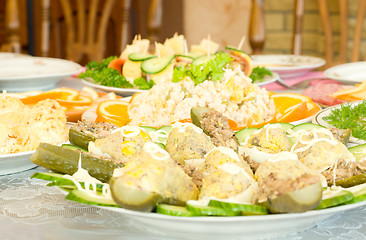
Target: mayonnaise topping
309, 143
233, 169
285, 155
227, 151
128, 131
183, 126
156, 152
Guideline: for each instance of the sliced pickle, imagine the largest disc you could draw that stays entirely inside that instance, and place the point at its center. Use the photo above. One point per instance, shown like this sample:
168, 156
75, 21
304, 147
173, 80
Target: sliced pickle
65, 160
301, 200
351, 181
341, 135
196, 115
80, 139
132, 197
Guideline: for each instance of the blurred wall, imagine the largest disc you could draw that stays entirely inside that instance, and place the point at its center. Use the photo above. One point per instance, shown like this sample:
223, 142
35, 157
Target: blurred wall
225, 21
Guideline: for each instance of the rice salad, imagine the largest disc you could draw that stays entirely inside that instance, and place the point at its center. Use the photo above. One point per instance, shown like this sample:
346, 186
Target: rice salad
235, 96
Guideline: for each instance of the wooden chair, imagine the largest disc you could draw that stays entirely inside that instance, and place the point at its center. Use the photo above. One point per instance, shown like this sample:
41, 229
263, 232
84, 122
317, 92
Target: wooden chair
12, 25
85, 30
257, 35
343, 46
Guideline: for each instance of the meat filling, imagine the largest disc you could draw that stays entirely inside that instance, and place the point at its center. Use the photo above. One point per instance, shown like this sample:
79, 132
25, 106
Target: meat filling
217, 127
343, 169
99, 130
272, 186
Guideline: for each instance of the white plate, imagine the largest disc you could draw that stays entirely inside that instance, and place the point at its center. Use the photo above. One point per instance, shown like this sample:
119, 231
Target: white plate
268, 79
18, 74
232, 227
318, 119
15, 162
288, 66
349, 73
125, 92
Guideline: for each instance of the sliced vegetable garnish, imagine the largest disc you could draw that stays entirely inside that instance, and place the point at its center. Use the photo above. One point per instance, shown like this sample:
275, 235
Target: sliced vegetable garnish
173, 210
245, 209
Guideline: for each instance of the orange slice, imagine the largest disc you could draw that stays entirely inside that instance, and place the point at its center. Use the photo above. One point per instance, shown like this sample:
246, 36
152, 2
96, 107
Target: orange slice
284, 101
58, 93
294, 113
113, 111
78, 101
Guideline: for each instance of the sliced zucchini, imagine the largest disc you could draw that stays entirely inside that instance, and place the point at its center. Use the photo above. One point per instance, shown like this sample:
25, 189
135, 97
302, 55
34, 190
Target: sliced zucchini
306, 127
245, 133
335, 199
200, 210
173, 210
48, 176
245, 209
139, 57
203, 59
73, 147
156, 65
80, 139
301, 200
64, 160
358, 151
91, 198
351, 181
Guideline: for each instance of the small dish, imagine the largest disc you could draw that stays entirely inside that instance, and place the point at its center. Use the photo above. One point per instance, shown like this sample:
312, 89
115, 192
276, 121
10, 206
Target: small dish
15, 162
318, 119
349, 73
20, 74
288, 66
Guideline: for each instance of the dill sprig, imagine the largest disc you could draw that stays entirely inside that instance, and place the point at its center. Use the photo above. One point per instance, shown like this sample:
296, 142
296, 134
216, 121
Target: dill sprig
350, 116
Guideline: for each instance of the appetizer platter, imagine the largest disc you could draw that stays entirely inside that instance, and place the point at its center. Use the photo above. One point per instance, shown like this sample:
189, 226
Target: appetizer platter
275, 174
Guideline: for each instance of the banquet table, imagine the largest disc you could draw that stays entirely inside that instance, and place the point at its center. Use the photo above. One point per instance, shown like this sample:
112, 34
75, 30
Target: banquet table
31, 210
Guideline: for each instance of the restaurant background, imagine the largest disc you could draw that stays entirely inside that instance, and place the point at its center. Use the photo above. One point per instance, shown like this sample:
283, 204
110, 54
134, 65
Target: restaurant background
225, 21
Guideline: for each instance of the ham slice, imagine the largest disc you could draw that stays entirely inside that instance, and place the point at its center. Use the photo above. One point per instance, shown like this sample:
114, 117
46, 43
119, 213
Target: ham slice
320, 91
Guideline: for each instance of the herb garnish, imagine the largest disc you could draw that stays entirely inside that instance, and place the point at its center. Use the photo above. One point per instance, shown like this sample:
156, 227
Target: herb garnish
258, 74
143, 84
350, 116
211, 70
102, 74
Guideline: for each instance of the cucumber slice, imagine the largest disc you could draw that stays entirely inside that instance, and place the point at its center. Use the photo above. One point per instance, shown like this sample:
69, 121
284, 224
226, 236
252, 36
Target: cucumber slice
167, 130
285, 126
358, 151
351, 181
156, 65
148, 129
173, 210
203, 59
245, 209
245, 133
48, 176
67, 183
359, 193
237, 50
139, 57
200, 210
335, 199
73, 147
81, 196
306, 127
